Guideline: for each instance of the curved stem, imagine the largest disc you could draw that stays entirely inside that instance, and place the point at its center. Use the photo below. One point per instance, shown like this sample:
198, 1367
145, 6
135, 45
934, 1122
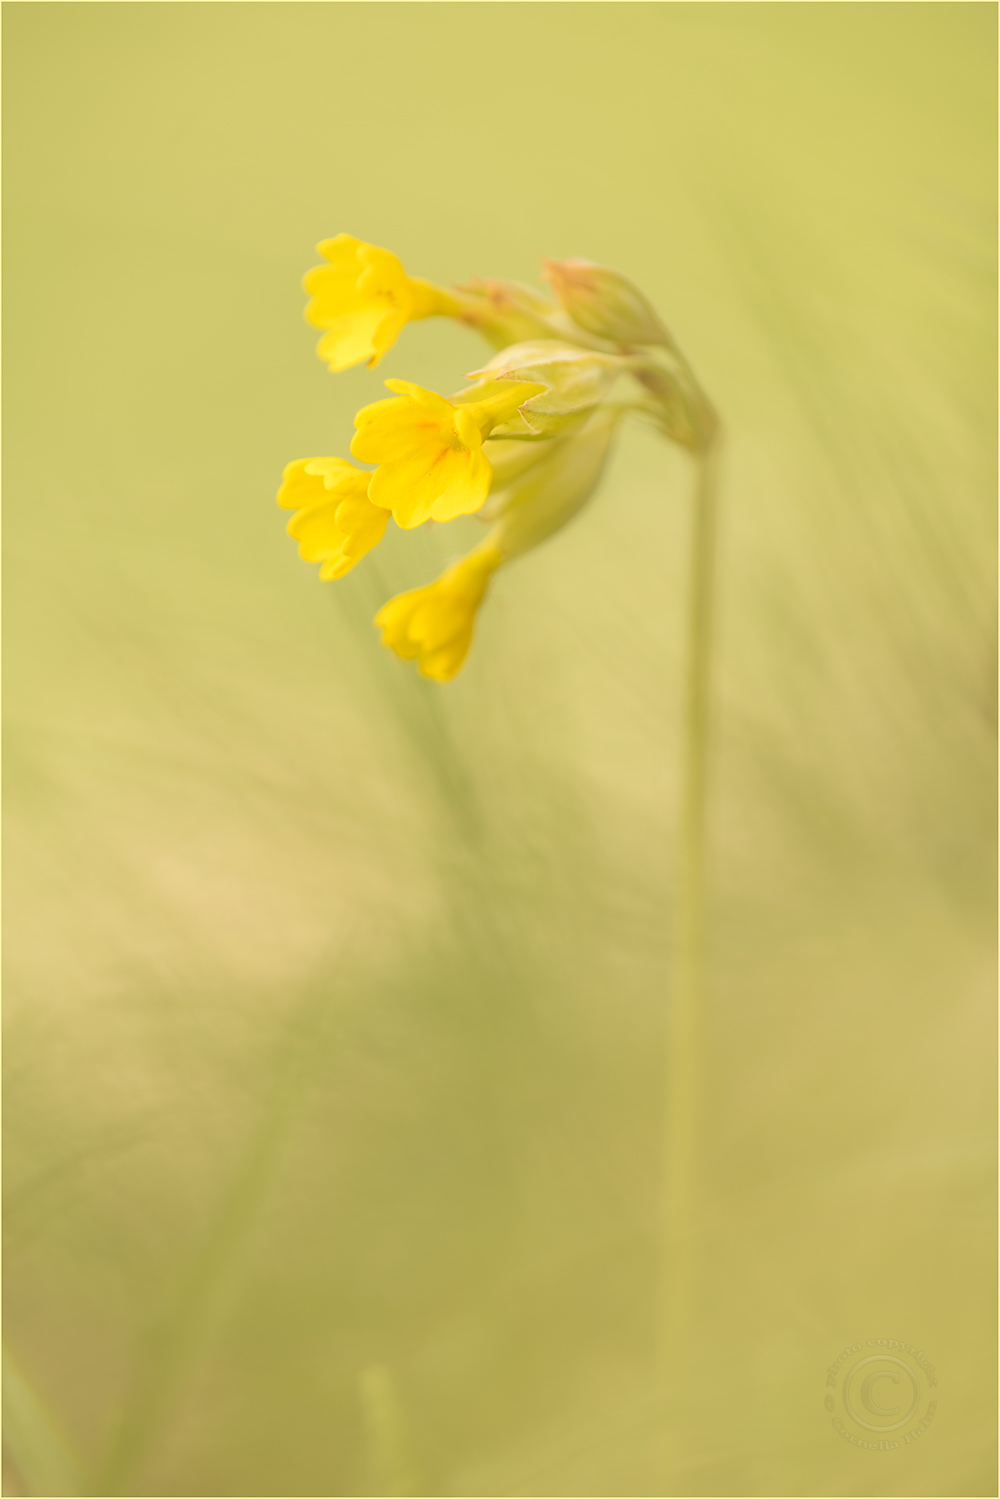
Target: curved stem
678, 1289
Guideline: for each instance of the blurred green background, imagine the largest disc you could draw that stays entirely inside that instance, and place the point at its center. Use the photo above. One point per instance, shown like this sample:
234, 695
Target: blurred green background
335, 998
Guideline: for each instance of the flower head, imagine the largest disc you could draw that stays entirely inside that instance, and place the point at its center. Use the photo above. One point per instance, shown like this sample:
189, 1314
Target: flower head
429, 450
524, 445
334, 522
362, 298
433, 625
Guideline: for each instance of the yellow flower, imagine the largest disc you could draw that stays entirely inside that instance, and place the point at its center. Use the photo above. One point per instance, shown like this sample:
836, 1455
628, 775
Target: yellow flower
363, 298
433, 625
430, 450
334, 522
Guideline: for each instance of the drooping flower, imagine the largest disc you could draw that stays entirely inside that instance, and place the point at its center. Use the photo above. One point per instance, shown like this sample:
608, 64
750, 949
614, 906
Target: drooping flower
433, 626
362, 298
429, 450
334, 523
544, 486
524, 445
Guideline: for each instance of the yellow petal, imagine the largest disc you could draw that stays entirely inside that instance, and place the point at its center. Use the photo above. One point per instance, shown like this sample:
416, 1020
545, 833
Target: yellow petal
363, 296
429, 455
394, 619
316, 531
468, 489
334, 521
434, 625
335, 294
443, 664
411, 486
386, 332
350, 339
362, 523
440, 617
429, 400
336, 567
341, 250
340, 476
299, 485
382, 272
393, 429
337, 532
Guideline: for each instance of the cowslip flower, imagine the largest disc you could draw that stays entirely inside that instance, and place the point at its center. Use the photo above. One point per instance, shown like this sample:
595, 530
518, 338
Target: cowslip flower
544, 487
429, 450
524, 446
362, 297
334, 523
433, 626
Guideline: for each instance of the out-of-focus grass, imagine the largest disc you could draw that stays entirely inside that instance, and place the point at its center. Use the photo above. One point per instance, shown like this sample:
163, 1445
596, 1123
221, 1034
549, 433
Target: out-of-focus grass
336, 999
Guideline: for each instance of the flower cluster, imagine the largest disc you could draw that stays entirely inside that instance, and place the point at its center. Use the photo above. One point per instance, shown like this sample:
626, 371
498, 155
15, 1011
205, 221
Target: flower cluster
522, 447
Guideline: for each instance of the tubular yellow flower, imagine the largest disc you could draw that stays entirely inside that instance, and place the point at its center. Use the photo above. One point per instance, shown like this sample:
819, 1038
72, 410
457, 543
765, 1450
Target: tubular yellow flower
433, 625
334, 522
362, 298
430, 450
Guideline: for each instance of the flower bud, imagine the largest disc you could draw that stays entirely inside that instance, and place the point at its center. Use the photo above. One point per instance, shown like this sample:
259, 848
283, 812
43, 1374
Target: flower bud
575, 382
542, 499
510, 460
505, 312
605, 303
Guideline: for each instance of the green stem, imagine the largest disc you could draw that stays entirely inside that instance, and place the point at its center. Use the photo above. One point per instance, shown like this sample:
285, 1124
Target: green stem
678, 1289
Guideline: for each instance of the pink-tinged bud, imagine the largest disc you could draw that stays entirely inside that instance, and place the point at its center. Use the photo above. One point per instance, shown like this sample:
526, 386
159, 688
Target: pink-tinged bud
504, 312
604, 303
